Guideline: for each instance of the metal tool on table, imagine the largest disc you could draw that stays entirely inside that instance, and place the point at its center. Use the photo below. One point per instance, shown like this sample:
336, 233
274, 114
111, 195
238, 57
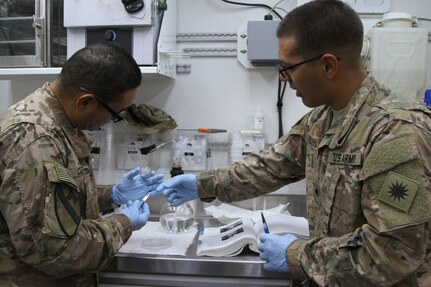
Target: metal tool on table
204, 130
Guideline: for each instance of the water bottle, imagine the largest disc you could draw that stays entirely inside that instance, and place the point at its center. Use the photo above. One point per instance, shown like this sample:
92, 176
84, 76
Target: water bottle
427, 98
259, 120
236, 148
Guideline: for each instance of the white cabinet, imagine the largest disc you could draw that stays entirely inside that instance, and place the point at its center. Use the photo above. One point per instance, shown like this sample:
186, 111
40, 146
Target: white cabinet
165, 56
152, 72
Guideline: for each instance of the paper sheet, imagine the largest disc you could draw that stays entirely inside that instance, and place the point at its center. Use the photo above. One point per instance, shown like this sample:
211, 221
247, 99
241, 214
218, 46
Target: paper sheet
226, 213
153, 233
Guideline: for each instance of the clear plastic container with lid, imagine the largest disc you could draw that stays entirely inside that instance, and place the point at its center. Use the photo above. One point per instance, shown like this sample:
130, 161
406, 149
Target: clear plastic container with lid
398, 49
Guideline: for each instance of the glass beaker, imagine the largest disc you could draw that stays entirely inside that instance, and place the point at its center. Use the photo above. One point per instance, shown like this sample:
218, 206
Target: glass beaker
176, 219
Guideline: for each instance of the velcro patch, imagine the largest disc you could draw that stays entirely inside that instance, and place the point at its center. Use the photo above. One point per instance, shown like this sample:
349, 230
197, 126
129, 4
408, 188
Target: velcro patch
64, 175
398, 191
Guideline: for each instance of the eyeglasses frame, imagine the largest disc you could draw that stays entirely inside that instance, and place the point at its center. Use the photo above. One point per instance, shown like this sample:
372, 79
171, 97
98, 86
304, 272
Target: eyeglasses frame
117, 115
282, 69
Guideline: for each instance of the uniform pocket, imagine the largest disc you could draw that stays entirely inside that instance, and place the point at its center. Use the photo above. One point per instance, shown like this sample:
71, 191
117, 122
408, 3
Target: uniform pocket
320, 201
329, 199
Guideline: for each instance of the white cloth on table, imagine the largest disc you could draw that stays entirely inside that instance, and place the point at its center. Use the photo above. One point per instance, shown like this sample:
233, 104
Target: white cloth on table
154, 236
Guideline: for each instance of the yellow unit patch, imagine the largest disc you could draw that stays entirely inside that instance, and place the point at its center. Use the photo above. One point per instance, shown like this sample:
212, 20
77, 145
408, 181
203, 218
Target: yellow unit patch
398, 191
67, 209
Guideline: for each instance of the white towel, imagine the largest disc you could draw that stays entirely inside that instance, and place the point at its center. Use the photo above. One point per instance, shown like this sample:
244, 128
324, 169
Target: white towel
152, 239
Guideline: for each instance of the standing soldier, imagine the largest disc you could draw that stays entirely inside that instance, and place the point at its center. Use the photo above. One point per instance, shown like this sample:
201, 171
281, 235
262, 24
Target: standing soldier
365, 158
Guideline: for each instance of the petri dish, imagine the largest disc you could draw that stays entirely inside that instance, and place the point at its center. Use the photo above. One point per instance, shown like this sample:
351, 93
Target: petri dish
153, 244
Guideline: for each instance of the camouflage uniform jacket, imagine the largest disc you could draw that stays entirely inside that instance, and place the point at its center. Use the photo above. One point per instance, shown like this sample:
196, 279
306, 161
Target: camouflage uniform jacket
368, 178
51, 232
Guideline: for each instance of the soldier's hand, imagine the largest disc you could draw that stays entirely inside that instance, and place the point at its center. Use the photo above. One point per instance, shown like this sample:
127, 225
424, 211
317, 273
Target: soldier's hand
179, 189
137, 212
273, 249
134, 185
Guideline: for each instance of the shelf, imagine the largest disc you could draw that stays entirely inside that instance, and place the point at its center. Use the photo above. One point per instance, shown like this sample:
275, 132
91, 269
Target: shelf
52, 73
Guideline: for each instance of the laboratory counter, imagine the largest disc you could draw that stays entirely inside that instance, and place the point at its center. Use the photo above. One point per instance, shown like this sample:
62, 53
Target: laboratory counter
245, 269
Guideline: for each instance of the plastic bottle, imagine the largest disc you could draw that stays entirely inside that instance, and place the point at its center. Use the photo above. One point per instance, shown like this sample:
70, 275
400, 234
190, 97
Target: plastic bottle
107, 158
259, 120
176, 169
236, 148
96, 137
427, 98
176, 219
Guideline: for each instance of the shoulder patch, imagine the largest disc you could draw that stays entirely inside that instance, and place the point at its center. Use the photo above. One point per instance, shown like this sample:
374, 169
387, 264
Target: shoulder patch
64, 175
58, 173
64, 210
390, 155
398, 191
67, 209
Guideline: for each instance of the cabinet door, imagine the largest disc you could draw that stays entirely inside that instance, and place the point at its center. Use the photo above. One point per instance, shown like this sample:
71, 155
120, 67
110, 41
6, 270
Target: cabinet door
32, 33
20, 33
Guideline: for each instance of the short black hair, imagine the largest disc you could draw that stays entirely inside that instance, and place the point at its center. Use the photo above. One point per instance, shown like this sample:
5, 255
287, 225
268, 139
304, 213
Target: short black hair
106, 69
324, 26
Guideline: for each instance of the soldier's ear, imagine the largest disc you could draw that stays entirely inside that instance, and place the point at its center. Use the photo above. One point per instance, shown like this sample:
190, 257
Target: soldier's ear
331, 65
85, 101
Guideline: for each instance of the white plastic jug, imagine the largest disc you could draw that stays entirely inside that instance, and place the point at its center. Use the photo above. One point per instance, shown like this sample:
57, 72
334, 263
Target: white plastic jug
398, 55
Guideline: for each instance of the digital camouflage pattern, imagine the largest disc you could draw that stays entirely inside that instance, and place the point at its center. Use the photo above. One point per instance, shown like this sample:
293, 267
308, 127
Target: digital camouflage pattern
368, 178
51, 232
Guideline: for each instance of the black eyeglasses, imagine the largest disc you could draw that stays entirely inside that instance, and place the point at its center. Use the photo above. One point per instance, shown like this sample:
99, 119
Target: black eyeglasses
118, 116
282, 69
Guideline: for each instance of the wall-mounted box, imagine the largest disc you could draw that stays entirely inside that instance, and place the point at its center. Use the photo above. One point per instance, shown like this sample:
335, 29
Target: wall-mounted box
258, 44
262, 43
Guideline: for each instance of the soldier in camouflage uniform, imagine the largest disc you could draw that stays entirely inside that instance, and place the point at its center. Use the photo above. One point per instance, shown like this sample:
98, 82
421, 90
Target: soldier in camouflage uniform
51, 231
364, 155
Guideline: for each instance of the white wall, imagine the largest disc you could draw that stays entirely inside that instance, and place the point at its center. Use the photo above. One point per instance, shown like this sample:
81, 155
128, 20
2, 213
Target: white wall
219, 92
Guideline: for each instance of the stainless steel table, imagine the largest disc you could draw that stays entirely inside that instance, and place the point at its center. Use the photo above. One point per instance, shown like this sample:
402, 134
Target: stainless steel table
191, 270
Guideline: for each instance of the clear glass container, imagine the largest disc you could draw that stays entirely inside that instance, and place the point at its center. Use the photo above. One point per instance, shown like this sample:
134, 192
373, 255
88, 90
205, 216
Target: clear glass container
176, 219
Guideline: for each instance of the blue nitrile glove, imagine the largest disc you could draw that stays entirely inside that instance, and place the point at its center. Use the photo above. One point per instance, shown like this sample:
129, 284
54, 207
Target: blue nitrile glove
137, 212
273, 250
134, 186
179, 189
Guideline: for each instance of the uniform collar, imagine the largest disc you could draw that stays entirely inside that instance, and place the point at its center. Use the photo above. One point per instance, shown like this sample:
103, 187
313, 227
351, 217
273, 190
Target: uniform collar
350, 115
77, 138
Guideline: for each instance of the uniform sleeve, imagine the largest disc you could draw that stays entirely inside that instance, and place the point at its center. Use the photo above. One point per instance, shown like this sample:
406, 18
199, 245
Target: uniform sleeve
393, 244
258, 174
43, 214
105, 201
